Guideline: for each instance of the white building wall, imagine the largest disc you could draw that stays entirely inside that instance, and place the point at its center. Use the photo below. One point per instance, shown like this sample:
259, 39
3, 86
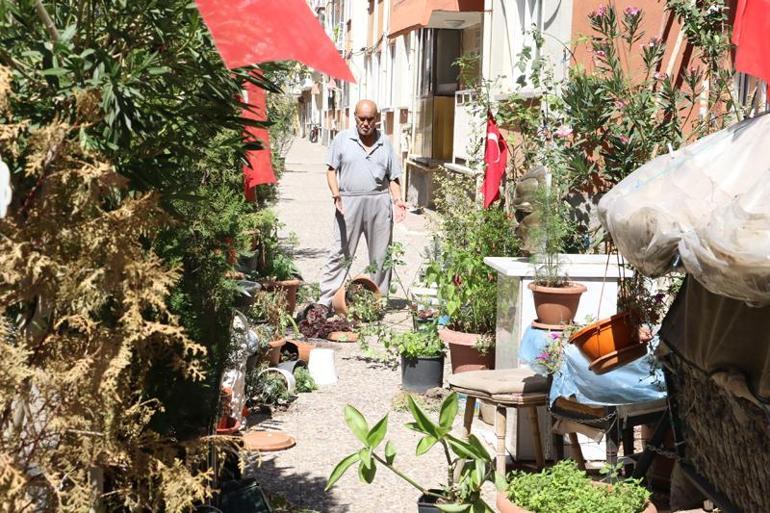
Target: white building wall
507, 31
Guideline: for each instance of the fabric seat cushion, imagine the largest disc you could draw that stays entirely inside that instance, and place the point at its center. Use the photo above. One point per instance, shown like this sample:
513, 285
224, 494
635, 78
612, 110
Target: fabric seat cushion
501, 383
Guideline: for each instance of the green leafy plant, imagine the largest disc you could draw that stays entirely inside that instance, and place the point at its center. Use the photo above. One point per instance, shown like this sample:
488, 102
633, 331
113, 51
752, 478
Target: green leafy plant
365, 306
267, 389
549, 235
123, 114
305, 382
270, 308
308, 292
609, 116
484, 344
415, 344
469, 465
467, 287
565, 488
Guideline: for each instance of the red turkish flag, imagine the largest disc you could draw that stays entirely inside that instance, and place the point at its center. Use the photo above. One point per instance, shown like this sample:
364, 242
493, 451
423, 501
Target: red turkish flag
259, 169
495, 158
750, 35
248, 32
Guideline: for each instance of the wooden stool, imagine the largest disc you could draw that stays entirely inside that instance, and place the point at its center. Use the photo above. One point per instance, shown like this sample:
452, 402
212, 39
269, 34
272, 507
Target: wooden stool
505, 388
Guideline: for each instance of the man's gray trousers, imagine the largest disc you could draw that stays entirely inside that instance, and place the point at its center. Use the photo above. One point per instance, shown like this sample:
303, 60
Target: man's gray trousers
370, 214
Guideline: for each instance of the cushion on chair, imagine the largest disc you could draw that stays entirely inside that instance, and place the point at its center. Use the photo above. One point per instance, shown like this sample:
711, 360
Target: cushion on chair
503, 385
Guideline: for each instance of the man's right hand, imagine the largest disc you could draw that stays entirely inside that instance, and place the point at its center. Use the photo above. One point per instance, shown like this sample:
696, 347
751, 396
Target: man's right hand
338, 205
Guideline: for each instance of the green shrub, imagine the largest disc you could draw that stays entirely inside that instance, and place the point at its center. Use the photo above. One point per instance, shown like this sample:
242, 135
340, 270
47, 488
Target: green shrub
305, 382
564, 488
415, 344
467, 286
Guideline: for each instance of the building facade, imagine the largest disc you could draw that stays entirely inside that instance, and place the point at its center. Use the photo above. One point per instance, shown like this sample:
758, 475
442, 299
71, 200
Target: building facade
404, 54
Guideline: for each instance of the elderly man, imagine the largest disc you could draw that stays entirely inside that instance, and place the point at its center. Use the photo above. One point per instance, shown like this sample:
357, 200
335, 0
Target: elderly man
363, 178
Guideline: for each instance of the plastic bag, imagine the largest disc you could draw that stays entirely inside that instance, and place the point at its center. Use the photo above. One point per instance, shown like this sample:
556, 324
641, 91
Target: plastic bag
708, 202
730, 255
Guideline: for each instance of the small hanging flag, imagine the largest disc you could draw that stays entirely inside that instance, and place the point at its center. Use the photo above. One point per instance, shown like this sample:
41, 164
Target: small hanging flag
750, 35
495, 159
249, 32
259, 167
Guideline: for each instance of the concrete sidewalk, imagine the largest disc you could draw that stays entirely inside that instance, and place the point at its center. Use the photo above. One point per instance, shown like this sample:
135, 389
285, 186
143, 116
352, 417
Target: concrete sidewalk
305, 208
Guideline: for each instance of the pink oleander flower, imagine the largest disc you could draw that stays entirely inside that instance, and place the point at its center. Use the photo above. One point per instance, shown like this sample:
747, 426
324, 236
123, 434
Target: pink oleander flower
620, 104
563, 131
632, 11
600, 54
554, 335
660, 75
543, 357
624, 139
600, 11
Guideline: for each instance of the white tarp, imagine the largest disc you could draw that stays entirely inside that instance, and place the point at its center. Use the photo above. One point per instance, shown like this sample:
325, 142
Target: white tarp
708, 202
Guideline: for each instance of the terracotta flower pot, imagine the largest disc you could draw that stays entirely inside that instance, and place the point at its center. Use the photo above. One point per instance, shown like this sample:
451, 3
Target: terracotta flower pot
463, 356
289, 287
610, 343
506, 506
302, 349
556, 306
602, 337
228, 425
342, 336
339, 303
274, 353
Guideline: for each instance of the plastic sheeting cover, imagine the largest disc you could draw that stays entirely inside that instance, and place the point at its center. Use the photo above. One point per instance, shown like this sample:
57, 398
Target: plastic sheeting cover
637, 382
709, 202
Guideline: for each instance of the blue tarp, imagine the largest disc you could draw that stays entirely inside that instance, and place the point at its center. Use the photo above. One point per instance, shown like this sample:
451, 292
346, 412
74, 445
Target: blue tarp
636, 382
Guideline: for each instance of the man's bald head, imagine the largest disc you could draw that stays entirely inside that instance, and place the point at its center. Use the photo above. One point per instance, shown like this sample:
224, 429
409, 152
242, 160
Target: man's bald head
366, 107
366, 117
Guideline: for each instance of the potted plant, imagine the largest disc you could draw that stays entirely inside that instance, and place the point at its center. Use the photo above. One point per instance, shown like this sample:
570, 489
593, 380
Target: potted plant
282, 276
556, 298
467, 289
422, 359
621, 338
360, 291
469, 298
425, 317
269, 312
469, 465
364, 305
564, 483
318, 324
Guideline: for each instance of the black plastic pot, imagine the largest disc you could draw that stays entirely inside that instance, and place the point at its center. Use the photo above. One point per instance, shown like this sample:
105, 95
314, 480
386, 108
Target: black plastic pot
422, 373
427, 503
243, 496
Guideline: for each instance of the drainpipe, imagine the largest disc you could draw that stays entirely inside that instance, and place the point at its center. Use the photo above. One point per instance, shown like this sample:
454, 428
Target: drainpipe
416, 75
486, 40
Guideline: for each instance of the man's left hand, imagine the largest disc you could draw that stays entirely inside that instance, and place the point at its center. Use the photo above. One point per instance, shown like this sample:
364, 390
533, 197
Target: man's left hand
399, 210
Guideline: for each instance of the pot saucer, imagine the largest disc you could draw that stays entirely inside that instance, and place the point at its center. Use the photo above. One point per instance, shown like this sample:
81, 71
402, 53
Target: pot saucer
342, 336
544, 326
267, 441
618, 358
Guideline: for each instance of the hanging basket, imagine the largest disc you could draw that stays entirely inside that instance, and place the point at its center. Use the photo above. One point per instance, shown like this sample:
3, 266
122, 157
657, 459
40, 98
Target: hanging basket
610, 343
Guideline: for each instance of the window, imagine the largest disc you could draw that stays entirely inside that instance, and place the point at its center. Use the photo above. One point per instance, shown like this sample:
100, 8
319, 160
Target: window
440, 49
